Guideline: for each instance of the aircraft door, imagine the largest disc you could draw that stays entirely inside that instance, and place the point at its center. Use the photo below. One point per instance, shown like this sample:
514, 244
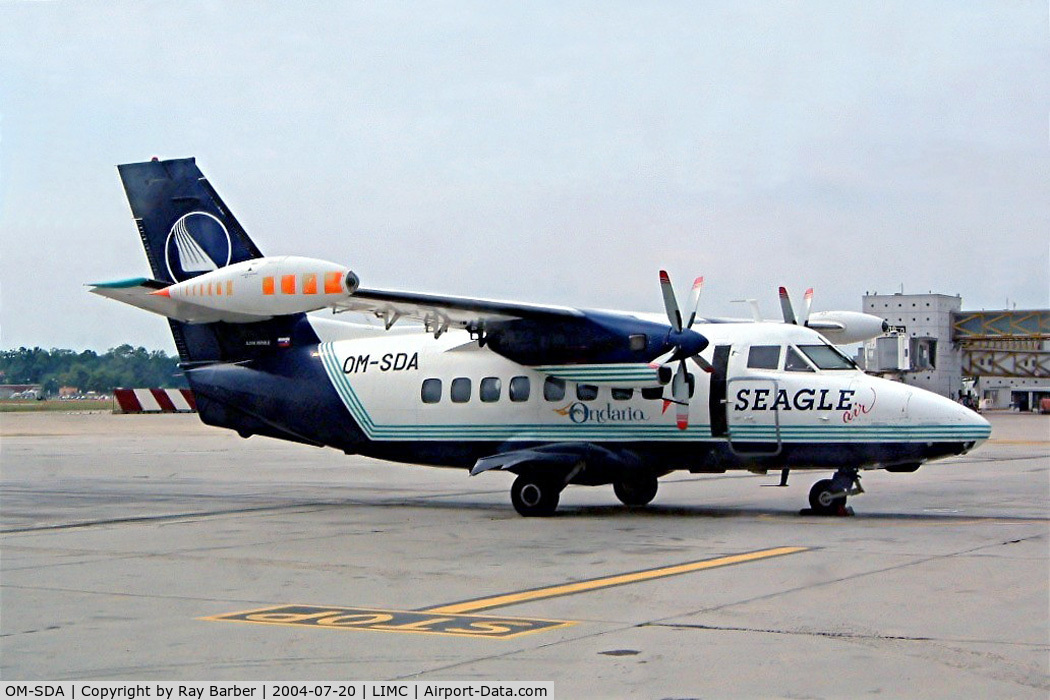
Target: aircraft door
717, 394
753, 419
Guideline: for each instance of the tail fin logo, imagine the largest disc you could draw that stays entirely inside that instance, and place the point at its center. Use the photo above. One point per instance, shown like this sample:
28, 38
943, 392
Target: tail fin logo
197, 243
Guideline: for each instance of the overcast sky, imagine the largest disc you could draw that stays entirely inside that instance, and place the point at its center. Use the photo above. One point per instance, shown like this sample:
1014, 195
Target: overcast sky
551, 152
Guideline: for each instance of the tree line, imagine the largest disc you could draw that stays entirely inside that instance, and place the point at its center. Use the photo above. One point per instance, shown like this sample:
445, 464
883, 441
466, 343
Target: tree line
122, 366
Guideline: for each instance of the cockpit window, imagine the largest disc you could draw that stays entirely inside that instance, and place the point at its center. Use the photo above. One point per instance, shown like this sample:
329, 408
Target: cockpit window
763, 357
827, 357
794, 362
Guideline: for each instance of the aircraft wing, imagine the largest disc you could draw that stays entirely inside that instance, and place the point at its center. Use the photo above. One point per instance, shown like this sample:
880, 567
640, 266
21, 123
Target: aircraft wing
563, 455
439, 312
138, 292
560, 456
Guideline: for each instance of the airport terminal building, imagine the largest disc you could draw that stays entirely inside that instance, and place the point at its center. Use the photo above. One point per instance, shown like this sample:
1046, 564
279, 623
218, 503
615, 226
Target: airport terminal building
1000, 358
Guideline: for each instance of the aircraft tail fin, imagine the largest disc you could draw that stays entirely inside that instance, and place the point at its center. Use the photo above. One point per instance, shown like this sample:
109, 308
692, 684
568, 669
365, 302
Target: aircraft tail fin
187, 230
185, 226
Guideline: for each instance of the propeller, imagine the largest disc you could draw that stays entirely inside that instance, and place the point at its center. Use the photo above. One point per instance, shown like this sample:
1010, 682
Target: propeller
687, 345
837, 327
789, 311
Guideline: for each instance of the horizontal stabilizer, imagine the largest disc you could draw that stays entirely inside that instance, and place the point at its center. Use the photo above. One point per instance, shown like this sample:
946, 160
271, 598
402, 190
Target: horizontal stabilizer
139, 292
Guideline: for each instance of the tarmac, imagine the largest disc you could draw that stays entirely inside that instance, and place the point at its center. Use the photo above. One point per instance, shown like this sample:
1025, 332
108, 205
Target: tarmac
152, 547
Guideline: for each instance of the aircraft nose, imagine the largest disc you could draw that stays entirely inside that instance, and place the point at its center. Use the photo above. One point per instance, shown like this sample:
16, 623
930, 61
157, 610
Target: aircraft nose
950, 418
976, 422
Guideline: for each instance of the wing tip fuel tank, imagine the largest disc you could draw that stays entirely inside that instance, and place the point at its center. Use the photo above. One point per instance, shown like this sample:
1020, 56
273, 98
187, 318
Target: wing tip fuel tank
266, 287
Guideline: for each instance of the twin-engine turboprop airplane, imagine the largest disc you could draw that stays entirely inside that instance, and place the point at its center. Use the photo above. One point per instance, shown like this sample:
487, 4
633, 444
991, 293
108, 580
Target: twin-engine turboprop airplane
556, 395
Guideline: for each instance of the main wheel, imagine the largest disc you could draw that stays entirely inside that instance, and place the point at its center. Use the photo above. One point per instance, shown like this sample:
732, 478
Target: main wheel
637, 491
822, 498
534, 496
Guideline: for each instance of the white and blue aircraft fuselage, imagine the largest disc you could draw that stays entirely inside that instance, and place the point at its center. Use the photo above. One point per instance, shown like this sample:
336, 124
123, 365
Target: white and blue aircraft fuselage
556, 395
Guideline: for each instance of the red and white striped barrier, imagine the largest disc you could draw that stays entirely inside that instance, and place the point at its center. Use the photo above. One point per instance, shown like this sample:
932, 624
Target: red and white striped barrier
155, 401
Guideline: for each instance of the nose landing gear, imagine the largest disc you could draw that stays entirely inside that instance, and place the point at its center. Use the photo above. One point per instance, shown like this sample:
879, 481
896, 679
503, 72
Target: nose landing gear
828, 496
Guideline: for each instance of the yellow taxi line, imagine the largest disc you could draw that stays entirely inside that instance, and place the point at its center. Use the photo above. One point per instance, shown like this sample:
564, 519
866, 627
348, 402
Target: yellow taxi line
608, 581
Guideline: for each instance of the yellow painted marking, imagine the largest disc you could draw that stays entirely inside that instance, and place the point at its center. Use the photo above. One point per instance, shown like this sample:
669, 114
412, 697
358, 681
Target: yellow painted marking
404, 621
608, 581
923, 520
450, 620
994, 441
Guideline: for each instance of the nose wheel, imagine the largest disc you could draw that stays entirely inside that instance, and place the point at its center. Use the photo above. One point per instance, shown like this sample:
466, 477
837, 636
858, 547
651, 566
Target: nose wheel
828, 496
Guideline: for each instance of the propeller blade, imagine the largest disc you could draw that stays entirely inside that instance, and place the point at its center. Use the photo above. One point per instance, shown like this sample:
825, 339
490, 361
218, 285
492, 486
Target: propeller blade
670, 303
680, 394
682, 416
806, 304
694, 300
753, 303
785, 306
703, 364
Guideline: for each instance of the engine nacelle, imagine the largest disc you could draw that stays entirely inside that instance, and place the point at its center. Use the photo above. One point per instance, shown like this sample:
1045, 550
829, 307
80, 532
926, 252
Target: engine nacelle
267, 287
845, 327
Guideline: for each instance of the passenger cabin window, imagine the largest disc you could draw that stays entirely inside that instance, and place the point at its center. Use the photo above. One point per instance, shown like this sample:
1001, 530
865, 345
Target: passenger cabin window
827, 357
431, 391
622, 394
490, 389
519, 389
553, 389
637, 342
460, 392
763, 357
586, 392
794, 362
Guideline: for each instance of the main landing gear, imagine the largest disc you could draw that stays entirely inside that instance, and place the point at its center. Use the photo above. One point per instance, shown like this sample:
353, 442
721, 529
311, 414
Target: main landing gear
536, 495
828, 496
636, 491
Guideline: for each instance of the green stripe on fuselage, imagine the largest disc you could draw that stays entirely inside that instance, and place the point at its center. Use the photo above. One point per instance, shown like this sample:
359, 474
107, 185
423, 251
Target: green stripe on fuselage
621, 432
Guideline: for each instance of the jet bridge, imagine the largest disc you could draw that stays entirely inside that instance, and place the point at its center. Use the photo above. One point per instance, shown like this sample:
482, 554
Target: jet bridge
1003, 343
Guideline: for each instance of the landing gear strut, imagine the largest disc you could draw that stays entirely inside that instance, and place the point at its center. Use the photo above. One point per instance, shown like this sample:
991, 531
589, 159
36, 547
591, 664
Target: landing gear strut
828, 496
535, 496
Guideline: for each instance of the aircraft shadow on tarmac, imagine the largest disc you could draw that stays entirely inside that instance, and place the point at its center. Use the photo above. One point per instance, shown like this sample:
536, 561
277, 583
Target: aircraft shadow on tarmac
469, 501
655, 510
